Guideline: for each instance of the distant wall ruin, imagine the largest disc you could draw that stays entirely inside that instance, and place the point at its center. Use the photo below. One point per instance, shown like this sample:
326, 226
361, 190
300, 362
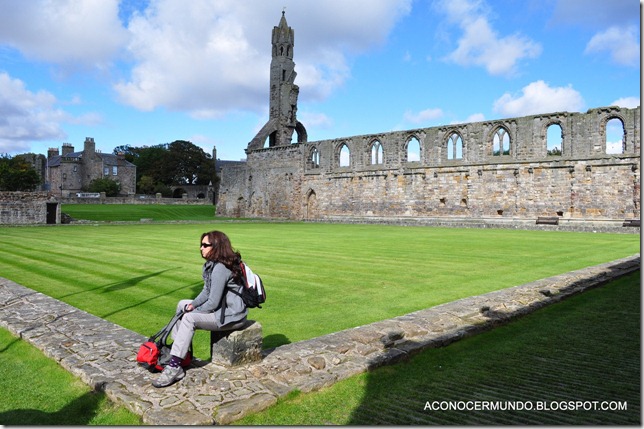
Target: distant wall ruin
499, 168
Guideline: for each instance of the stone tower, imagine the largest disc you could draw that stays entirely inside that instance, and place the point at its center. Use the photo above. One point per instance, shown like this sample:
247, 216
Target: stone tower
282, 121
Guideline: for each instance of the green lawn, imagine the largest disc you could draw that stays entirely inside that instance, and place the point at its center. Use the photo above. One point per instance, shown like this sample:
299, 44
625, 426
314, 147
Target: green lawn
136, 212
320, 278
584, 349
587, 348
36, 390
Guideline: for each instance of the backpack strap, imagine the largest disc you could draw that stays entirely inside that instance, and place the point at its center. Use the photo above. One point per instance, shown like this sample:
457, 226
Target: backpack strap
227, 289
223, 308
163, 334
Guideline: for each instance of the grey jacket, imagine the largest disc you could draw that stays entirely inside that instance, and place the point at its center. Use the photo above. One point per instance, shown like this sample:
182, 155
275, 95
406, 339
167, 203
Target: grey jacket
217, 278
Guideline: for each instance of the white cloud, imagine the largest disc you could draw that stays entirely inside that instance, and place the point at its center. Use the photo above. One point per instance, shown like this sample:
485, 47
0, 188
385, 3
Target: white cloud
206, 58
627, 102
27, 116
539, 97
315, 120
622, 44
614, 147
480, 45
213, 57
82, 32
476, 117
423, 116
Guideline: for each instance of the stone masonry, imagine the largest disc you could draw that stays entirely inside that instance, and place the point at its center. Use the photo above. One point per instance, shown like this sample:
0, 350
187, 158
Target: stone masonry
583, 183
103, 354
24, 208
503, 168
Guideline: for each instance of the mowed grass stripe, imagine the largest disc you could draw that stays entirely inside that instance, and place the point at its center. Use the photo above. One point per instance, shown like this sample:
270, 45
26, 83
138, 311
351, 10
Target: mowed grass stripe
136, 212
320, 277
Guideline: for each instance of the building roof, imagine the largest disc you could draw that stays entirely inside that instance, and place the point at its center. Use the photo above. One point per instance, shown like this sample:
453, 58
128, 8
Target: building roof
107, 158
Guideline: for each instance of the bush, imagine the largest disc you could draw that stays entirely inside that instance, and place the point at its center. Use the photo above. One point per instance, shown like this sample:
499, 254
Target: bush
109, 186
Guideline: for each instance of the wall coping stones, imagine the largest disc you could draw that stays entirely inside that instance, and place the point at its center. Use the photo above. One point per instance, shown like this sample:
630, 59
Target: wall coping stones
565, 224
103, 354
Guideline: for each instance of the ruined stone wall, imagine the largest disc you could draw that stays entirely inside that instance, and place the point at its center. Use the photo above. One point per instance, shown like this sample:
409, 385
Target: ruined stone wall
482, 179
267, 186
25, 208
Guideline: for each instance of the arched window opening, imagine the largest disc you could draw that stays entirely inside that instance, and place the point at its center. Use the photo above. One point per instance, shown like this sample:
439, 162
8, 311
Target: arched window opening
615, 137
345, 156
454, 147
413, 150
376, 153
554, 140
315, 158
271, 140
311, 205
501, 143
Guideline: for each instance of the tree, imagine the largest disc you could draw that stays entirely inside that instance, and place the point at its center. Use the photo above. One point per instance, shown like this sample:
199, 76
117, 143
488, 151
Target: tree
16, 174
165, 165
146, 185
109, 186
190, 164
554, 151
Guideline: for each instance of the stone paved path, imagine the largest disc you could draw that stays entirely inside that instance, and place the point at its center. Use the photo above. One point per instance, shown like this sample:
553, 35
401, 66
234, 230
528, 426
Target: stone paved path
102, 354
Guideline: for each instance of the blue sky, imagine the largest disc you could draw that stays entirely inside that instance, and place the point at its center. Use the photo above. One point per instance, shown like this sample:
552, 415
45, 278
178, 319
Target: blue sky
146, 72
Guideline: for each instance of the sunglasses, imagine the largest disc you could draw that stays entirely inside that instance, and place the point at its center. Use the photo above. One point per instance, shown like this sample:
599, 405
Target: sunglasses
206, 245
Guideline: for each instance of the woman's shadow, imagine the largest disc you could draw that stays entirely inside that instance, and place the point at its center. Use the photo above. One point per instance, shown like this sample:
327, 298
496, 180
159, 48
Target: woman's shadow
80, 411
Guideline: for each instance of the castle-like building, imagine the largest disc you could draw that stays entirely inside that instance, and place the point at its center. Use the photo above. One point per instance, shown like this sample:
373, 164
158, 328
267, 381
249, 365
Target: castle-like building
499, 169
69, 172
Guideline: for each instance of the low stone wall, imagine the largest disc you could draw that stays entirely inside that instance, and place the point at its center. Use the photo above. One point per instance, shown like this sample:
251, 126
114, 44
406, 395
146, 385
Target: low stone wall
136, 199
576, 225
28, 208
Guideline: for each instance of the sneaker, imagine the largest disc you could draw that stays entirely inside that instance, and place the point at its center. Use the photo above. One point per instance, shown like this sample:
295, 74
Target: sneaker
168, 376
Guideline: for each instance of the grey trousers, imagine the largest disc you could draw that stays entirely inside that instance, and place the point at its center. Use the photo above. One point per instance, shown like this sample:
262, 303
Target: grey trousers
184, 329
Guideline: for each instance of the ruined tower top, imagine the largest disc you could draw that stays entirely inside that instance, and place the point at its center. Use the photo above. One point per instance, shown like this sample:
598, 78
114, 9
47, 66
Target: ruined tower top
282, 121
283, 39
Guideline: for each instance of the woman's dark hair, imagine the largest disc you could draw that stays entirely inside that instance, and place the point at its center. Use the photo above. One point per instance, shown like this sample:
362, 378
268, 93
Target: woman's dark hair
222, 251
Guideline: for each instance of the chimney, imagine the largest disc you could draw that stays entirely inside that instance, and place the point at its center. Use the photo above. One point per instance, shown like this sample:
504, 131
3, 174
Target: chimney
67, 148
52, 151
90, 146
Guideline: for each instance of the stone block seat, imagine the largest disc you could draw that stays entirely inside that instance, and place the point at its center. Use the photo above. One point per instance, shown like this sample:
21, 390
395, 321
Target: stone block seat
238, 346
547, 220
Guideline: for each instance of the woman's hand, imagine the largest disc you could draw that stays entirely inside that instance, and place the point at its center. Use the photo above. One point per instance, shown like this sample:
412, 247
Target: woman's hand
189, 307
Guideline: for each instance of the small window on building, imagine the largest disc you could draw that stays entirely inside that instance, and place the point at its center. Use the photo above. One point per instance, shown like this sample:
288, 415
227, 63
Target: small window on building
454, 147
413, 150
501, 143
106, 171
315, 158
345, 156
615, 137
376, 153
554, 143
115, 170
